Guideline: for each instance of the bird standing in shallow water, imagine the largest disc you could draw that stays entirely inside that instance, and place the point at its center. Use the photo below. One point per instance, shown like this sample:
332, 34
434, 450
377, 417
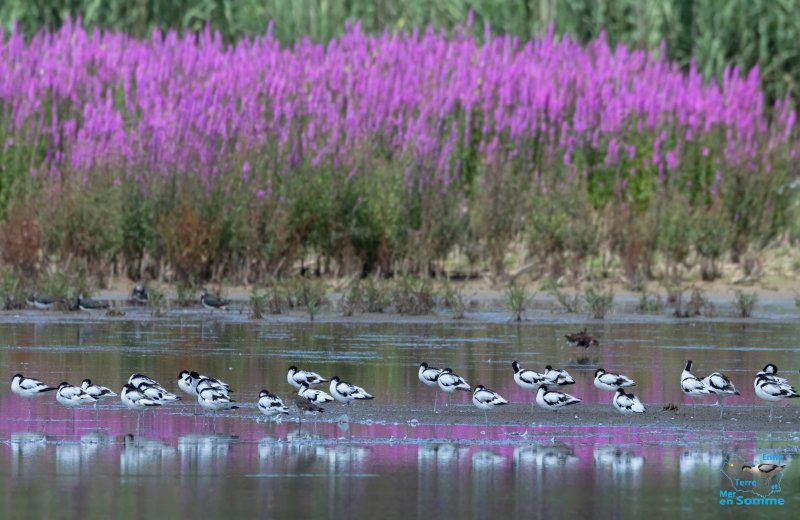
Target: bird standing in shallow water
611, 382
72, 397
557, 377
486, 399
97, 391
345, 392
270, 404
528, 379
213, 302
718, 384
551, 400
773, 389
297, 377
627, 404
450, 382
135, 399
429, 376
28, 387
691, 385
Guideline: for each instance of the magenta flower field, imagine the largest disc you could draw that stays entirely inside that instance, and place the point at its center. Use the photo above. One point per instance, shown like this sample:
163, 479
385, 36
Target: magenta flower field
375, 149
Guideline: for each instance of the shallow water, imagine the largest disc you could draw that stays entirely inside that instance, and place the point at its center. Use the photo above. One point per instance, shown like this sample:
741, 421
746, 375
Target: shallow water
60, 465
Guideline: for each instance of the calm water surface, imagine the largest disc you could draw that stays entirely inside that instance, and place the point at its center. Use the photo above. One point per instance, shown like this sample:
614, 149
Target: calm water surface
56, 465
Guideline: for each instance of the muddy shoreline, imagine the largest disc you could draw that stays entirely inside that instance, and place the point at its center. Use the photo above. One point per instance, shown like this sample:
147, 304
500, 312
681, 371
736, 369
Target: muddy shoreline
701, 417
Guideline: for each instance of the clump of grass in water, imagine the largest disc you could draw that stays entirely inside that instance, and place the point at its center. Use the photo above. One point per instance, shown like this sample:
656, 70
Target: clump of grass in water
518, 300
11, 289
156, 301
453, 298
186, 291
414, 296
697, 305
650, 302
570, 303
311, 294
367, 295
744, 303
600, 302
67, 285
257, 303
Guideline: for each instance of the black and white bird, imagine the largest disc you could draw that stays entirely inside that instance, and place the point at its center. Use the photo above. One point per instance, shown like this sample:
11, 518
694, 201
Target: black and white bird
551, 400
151, 388
97, 391
718, 384
157, 393
429, 377
304, 405
773, 389
764, 470
450, 382
611, 382
296, 377
212, 302
42, 301
313, 395
557, 376
190, 381
627, 404
214, 400
345, 392
140, 295
90, 304
135, 399
527, 379
270, 404
691, 385
28, 387
771, 372
73, 396
486, 399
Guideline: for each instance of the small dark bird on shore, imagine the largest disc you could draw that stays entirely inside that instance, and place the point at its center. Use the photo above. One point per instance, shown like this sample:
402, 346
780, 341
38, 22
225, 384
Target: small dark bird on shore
212, 302
304, 405
140, 295
90, 304
42, 301
581, 339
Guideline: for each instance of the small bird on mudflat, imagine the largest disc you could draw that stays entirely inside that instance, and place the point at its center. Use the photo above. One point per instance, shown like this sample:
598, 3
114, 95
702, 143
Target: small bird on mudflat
552, 400
296, 377
28, 387
611, 382
270, 404
627, 404
345, 392
581, 339
90, 304
72, 396
212, 302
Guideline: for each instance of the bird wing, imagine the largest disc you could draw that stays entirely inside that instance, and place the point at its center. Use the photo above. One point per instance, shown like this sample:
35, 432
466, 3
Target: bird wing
531, 377
31, 384
555, 398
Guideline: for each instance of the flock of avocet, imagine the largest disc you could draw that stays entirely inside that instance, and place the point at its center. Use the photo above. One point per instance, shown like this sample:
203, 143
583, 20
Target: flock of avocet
768, 386
142, 392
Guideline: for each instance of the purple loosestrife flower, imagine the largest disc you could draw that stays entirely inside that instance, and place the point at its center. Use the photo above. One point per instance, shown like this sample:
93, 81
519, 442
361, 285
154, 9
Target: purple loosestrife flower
194, 108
